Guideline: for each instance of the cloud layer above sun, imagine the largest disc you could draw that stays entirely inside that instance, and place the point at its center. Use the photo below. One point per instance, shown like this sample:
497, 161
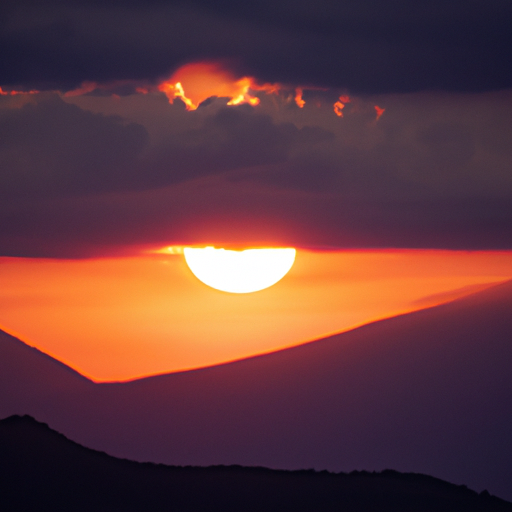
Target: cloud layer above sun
366, 46
89, 175
126, 126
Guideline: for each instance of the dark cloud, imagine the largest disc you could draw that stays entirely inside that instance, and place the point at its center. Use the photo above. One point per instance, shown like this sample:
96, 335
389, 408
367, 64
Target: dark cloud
243, 214
231, 138
96, 174
426, 147
367, 47
49, 148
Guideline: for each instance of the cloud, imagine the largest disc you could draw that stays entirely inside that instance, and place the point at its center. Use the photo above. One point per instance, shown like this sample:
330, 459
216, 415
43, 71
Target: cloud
228, 139
49, 148
213, 212
97, 175
426, 146
365, 47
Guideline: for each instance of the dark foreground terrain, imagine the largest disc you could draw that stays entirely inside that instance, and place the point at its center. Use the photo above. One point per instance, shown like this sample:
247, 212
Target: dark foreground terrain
426, 392
41, 470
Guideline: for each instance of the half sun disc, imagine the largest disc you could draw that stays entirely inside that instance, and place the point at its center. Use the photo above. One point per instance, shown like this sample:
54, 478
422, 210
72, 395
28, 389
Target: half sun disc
245, 271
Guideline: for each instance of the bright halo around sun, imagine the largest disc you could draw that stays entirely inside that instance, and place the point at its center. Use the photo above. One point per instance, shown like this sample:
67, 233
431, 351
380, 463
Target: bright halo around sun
244, 271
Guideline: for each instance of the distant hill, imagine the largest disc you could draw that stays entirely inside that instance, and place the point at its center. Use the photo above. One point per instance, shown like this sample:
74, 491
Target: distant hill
428, 392
44, 471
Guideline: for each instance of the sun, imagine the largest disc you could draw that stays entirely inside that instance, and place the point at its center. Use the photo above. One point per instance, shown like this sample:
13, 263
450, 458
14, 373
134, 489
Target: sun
244, 271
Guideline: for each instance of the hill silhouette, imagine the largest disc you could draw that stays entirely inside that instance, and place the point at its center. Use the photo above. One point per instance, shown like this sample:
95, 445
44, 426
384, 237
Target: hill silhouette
427, 392
43, 470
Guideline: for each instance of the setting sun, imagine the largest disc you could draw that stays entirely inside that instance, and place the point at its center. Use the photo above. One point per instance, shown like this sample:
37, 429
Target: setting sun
262, 253
244, 271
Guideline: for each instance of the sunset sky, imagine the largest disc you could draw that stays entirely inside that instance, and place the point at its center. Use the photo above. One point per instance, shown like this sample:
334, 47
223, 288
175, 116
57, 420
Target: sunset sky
375, 137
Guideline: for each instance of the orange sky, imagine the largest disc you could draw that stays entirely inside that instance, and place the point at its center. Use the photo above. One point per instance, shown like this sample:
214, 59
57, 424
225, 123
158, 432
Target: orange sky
118, 319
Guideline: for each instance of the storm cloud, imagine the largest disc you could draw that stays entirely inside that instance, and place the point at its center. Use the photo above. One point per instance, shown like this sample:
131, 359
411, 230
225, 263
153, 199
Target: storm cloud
365, 47
433, 171
99, 162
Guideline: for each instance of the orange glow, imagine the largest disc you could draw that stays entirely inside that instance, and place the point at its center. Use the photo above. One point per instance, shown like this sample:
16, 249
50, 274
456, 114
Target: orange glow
298, 98
177, 91
244, 97
196, 82
116, 319
340, 105
83, 89
89, 86
379, 112
15, 93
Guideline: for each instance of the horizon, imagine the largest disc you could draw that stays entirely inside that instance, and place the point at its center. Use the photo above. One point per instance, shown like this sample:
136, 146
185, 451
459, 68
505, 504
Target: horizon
428, 303
372, 138
410, 392
124, 318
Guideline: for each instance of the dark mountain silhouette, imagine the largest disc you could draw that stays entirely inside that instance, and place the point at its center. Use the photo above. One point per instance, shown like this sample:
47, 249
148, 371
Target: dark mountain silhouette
42, 470
428, 392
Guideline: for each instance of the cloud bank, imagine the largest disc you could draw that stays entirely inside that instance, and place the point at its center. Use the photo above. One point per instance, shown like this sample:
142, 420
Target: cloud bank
433, 171
367, 47
103, 156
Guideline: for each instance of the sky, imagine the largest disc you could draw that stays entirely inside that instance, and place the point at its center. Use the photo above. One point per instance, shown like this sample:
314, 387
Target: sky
328, 126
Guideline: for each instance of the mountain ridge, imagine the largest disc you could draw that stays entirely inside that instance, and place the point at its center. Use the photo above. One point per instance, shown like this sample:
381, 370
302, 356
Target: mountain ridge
41, 468
487, 288
425, 392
